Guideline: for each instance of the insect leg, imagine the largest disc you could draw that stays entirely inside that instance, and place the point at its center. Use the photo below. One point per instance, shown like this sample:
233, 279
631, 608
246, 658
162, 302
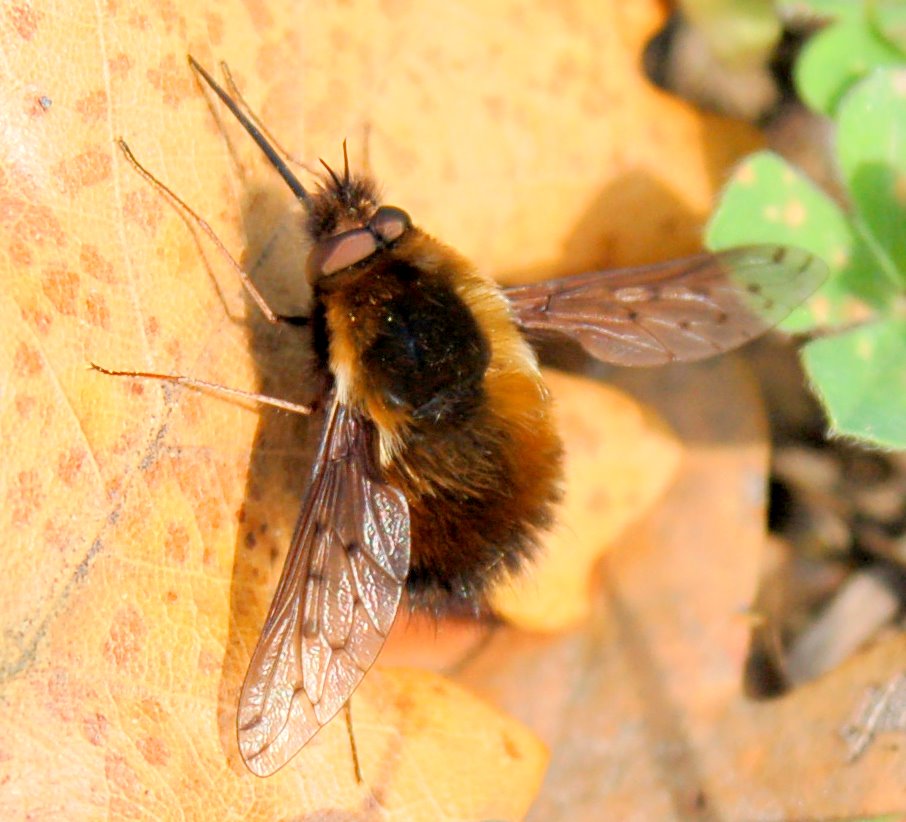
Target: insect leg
202, 385
299, 321
347, 712
188, 214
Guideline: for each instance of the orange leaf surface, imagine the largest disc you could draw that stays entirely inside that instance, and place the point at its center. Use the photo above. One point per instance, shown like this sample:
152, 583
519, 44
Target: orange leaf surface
615, 472
643, 707
145, 525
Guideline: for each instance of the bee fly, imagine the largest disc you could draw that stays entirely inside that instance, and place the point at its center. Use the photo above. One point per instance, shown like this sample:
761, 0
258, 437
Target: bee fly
439, 464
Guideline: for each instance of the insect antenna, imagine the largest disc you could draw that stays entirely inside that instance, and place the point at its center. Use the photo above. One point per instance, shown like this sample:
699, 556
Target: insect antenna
269, 151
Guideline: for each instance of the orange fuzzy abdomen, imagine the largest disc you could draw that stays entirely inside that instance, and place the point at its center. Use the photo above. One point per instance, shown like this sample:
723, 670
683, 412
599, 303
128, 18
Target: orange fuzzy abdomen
478, 497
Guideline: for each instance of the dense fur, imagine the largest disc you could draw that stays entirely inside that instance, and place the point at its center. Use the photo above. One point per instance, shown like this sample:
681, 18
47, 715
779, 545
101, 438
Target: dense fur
427, 349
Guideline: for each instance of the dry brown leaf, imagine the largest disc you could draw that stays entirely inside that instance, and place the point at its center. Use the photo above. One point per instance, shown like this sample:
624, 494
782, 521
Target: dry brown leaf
145, 524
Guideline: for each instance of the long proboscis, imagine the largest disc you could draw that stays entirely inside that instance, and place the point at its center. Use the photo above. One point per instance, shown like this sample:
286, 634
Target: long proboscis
275, 160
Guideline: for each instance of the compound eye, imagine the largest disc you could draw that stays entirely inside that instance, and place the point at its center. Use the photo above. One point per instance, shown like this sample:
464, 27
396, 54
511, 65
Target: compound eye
390, 223
343, 251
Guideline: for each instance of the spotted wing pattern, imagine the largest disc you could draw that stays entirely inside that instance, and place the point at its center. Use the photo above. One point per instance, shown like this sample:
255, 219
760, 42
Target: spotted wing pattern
678, 311
335, 603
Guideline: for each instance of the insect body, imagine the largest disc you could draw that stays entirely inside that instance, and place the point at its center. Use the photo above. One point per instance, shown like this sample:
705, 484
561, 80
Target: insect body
438, 462
426, 349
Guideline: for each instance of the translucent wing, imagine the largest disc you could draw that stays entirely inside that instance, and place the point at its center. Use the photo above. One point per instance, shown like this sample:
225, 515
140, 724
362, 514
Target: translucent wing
678, 311
335, 603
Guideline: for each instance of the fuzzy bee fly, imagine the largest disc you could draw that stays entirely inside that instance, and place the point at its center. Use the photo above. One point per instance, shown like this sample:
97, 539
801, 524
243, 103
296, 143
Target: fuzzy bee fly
439, 464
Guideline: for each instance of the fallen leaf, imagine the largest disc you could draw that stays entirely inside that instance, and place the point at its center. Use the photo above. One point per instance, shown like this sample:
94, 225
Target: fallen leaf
145, 524
614, 473
441, 738
643, 707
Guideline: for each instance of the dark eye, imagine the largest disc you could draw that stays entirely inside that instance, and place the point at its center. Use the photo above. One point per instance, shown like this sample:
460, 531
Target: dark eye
336, 253
390, 223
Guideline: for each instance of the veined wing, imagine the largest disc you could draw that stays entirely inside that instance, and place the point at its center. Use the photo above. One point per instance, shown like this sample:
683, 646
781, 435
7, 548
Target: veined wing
336, 600
677, 311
